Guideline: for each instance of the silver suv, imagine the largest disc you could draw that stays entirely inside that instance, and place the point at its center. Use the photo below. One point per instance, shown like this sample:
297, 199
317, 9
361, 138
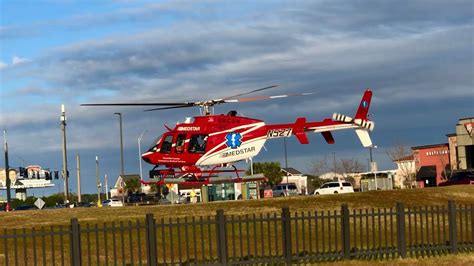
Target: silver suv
285, 190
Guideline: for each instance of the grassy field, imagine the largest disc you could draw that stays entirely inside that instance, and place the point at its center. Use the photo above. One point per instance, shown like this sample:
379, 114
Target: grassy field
373, 199
47, 219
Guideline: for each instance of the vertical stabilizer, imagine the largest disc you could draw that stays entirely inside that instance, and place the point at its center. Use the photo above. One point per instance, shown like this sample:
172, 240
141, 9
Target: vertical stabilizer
363, 109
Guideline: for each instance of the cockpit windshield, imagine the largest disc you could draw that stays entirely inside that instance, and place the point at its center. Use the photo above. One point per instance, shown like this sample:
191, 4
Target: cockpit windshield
154, 145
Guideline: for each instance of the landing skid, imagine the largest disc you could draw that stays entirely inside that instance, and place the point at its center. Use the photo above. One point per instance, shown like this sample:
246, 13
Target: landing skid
198, 176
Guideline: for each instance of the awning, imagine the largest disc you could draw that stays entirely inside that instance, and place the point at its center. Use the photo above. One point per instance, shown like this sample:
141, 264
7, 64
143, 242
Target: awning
426, 172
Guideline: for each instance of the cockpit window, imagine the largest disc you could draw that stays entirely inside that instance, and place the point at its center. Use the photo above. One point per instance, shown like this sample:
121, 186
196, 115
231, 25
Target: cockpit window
154, 146
166, 145
180, 143
197, 143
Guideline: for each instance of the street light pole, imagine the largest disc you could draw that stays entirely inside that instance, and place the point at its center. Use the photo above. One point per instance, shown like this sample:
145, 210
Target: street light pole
65, 171
121, 144
373, 165
140, 152
78, 169
106, 187
97, 179
7, 170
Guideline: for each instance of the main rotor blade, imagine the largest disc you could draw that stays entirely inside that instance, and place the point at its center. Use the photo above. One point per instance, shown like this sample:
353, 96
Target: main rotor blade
135, 104
245, 93
172, 107
262, 98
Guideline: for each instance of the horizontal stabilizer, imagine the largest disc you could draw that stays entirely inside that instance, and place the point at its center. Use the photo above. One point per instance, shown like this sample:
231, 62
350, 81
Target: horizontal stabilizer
298, 130
328, 137
364, 137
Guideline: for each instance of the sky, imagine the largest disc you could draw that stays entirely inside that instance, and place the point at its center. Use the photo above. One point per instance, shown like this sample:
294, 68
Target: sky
416, 56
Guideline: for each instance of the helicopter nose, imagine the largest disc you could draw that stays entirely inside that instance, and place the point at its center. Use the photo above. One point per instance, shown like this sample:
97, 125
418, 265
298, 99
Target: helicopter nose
147, 157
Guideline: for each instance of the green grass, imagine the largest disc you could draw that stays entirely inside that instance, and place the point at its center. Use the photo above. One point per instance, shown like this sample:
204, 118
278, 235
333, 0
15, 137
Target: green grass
373, 199
247, 240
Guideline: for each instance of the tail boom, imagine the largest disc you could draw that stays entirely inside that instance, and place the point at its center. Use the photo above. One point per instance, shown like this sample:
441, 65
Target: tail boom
361, 124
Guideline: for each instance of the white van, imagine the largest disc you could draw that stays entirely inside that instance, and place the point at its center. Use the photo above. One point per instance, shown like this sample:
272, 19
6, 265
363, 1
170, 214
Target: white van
112, 203
334, 187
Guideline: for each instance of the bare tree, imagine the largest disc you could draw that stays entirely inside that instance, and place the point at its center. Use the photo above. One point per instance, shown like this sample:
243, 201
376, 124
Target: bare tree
319, 167
403, 157
343, 166
350, 166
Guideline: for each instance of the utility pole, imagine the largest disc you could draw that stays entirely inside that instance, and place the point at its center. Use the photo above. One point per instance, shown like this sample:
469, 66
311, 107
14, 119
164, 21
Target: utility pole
334, 153
7, 170
106, 187
286, 156
78, 164
121, 144
97, 179
63, 131
140, 153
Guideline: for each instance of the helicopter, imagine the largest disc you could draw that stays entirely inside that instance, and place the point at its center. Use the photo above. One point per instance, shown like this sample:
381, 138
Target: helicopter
197, 150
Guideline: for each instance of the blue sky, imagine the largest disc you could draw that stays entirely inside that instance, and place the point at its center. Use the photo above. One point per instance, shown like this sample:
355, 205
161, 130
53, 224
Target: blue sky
416, 55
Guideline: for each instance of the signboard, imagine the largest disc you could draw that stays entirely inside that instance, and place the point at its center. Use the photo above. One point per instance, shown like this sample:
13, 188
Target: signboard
268, 193
39, 203
373, 167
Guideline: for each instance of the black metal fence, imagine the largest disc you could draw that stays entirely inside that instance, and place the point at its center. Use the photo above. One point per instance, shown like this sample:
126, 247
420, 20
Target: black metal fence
263, 238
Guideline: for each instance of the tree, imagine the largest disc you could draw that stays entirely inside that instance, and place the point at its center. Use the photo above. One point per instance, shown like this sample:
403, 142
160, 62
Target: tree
350, 166
315, 181
403, 156
343, 166
271, 170
132, 184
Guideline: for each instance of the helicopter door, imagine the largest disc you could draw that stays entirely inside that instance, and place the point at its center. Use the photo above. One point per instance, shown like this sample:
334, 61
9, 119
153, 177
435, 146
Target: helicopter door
197, 143
179, 148
166, 145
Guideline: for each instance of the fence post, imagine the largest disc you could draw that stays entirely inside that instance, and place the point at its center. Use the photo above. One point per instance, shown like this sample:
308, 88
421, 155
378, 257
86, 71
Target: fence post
75, 243
453, 239
150, 239
286, 229
345, 229
401, 239
221, 237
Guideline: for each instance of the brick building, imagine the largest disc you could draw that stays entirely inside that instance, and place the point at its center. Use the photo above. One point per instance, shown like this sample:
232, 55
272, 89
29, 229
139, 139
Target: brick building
432, 164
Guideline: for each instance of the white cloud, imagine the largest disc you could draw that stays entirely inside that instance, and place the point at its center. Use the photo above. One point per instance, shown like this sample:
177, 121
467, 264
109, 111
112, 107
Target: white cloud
16, 60
3, 65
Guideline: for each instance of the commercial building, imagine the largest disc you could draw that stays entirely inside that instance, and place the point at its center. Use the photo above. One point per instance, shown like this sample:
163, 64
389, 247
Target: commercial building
435, 163
462, 151
432, 162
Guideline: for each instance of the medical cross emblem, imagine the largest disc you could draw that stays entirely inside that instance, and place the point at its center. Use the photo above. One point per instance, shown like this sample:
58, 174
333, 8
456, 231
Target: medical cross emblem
233, 140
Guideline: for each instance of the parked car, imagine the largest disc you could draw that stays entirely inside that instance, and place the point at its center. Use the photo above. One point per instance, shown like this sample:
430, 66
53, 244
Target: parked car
459, 178
136, 197
285, 190
82, 204
112, 203
24, 208
334, 187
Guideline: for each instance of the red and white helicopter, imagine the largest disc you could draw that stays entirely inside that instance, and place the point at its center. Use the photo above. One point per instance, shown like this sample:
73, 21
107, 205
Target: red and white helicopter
196, 150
